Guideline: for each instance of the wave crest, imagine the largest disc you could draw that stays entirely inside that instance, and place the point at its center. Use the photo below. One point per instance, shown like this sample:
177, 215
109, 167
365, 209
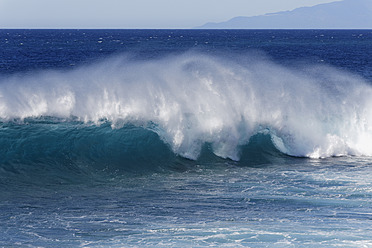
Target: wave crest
193, 99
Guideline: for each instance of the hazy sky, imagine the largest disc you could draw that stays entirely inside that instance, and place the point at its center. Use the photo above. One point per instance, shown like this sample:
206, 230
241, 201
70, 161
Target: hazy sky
134, 13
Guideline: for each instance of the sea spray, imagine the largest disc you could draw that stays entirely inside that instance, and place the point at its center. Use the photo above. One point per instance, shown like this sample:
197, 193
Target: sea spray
193, 99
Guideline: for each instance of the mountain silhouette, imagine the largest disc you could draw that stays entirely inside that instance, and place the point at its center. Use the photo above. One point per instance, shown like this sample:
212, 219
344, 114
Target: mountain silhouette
346, 14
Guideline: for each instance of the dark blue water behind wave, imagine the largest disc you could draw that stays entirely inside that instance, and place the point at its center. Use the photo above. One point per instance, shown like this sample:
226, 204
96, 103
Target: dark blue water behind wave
28, 50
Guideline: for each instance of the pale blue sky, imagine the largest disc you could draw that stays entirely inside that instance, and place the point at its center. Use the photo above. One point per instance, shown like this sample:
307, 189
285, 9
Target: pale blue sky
134, 13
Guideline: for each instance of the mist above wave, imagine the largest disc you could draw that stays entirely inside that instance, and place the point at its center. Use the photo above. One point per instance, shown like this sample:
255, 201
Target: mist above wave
192, 99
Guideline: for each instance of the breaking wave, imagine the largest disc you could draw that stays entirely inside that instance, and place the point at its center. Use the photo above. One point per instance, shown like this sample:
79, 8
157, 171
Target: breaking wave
127, 111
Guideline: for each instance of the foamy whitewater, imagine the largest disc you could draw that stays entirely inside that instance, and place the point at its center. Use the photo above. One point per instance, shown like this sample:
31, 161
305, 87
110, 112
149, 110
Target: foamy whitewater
186, 138
192, 99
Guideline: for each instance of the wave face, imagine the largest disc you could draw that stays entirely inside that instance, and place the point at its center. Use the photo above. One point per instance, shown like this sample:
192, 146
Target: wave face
177, 104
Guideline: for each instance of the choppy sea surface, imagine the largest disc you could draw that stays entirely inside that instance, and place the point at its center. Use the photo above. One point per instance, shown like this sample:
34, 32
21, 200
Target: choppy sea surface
185, 138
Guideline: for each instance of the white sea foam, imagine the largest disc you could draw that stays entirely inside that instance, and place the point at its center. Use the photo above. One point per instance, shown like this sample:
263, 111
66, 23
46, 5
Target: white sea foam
314, 111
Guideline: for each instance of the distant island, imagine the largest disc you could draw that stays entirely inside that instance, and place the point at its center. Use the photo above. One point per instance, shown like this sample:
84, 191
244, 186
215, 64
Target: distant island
346, 14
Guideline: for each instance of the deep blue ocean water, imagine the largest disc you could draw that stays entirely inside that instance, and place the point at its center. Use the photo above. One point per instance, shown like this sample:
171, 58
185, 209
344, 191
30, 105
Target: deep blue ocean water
185, 138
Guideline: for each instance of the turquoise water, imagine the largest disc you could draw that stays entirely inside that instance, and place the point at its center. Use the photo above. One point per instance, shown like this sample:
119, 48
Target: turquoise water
312, 203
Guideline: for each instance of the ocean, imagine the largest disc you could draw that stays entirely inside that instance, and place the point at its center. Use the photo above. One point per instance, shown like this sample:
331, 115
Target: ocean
186, 138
